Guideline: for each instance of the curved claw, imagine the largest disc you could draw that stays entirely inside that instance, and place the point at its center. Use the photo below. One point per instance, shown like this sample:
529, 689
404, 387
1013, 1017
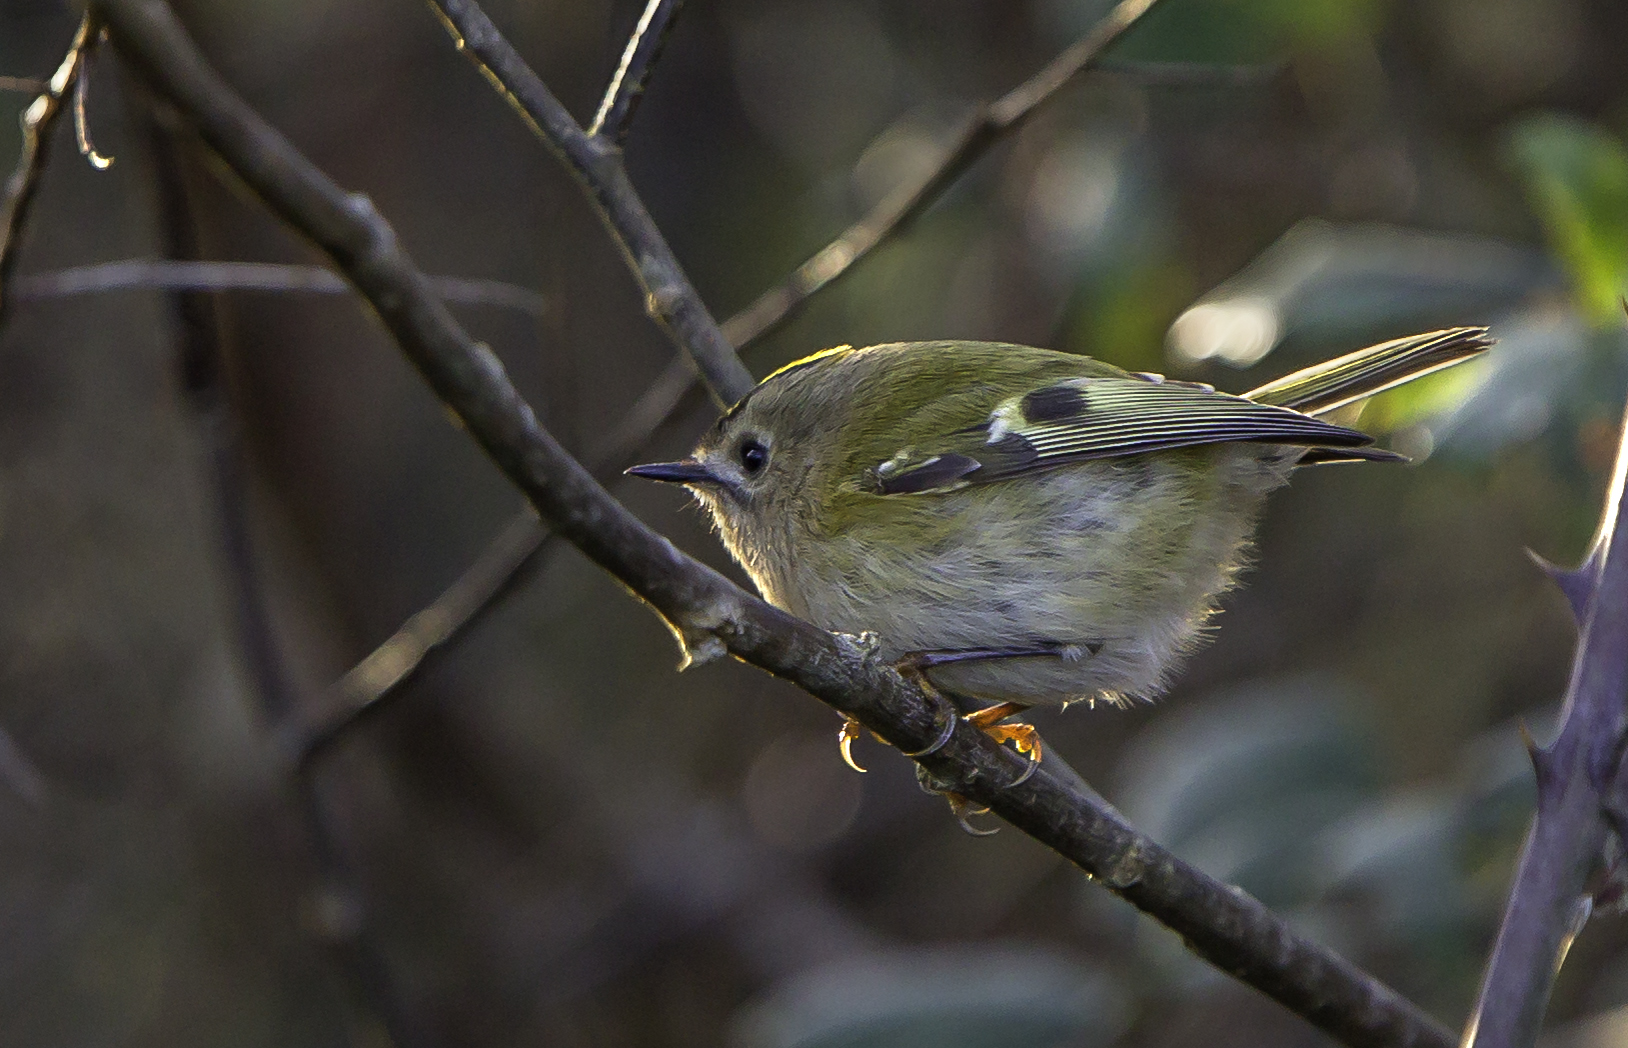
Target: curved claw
938, 743
963, 810
1034, 762
845, 742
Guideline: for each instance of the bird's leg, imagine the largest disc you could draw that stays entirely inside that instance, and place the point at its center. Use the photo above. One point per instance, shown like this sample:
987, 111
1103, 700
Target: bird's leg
1023, 736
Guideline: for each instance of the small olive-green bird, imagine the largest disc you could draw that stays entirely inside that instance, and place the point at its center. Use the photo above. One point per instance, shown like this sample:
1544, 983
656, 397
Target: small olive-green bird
1022, 526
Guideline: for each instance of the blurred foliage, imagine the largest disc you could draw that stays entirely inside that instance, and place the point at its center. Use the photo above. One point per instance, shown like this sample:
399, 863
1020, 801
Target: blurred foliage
1279, 787
1576, 174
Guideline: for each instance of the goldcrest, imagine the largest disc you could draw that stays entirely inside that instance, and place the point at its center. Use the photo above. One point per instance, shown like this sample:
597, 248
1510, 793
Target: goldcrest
1022, 526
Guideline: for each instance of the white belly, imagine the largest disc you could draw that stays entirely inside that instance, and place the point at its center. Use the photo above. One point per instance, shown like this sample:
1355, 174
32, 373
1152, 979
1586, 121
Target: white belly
1118, 561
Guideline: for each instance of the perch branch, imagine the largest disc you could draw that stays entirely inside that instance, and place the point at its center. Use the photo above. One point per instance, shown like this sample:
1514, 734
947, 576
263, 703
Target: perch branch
1550, 900
451, 611
670, 298
627, 86
37, 121
712, 617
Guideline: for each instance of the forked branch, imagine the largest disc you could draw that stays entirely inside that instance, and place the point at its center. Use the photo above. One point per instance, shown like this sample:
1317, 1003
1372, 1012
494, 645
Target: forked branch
38, 120
627, 85
670, 298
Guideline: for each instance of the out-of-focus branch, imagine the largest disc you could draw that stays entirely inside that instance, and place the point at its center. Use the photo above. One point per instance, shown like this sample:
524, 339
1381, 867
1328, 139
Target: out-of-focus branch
339, 903
500, 566
627, 86
23, 84
981, 128
1578, 777
670, 298
146, 274
451, 611
712, 617
38, 120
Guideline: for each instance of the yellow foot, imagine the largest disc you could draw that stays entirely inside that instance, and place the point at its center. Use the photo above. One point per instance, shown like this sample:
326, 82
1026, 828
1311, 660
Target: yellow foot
1023, 736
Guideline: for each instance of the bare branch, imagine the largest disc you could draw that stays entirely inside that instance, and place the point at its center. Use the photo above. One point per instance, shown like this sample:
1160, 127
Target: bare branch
1576, 778
627, 86
712, 616
38, 120
24, 84
173, 275
670, 298
979, 130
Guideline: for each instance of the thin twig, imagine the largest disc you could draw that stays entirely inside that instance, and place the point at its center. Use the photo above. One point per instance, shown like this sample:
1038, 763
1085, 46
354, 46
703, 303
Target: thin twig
670, 298
712, 616
667, 392
500, 567
37, 121
639, 58
141, 274
81, 108
978, 130
1550, 899
22, 84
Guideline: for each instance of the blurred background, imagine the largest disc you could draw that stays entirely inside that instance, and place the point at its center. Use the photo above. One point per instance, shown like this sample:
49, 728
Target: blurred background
550, 837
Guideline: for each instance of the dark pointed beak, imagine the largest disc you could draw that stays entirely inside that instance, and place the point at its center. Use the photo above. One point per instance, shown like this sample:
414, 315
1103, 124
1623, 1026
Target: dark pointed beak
685, 471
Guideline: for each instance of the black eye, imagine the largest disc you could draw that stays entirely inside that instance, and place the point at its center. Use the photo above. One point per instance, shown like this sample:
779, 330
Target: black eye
753, 455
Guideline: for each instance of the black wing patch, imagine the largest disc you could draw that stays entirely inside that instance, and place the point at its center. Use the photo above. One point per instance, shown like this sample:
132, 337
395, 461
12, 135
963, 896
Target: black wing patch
938, 471
1093, 418
1053, 403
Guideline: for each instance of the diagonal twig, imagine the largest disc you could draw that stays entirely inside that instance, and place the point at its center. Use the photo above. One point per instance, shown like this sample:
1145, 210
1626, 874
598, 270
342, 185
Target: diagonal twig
37, 121
363, 689
711, 616
670, 298
977, 131
1550, 899
627, 85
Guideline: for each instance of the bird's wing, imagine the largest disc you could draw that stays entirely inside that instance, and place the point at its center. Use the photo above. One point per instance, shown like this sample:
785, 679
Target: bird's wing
1078, 419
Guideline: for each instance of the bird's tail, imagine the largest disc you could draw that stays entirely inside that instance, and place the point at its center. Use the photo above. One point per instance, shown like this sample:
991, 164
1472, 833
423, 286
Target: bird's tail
1335, 383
